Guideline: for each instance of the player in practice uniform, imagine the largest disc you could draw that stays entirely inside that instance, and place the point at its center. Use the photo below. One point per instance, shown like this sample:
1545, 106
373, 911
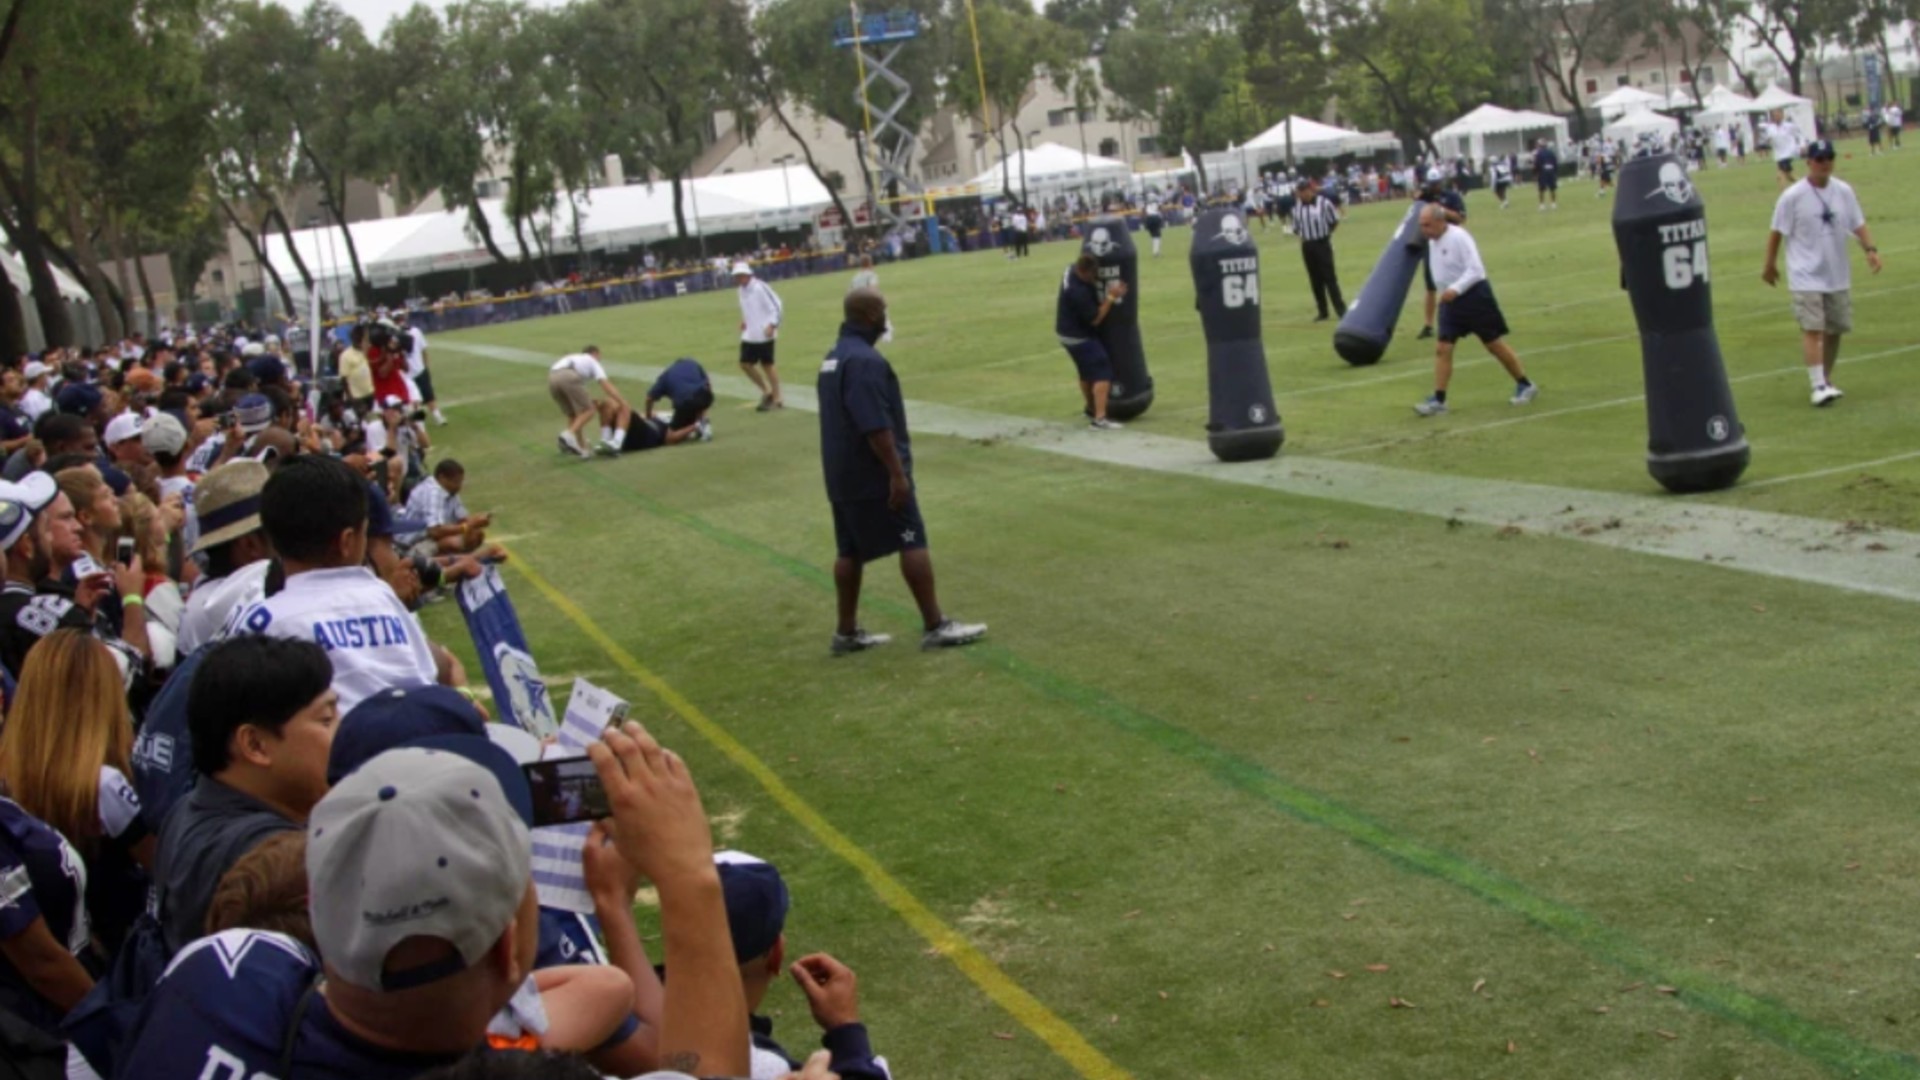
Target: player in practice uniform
1546, 175
1502, 179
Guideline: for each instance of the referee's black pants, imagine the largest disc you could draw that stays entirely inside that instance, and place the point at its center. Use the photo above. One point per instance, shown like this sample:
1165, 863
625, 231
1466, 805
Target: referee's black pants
1318, 255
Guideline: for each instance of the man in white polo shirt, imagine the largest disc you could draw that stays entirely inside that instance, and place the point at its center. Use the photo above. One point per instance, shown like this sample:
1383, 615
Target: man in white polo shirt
1814, 217
571, 381
1467, 306
760, 313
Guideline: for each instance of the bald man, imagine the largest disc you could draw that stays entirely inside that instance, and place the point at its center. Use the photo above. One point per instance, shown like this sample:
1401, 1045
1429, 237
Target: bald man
1467, 306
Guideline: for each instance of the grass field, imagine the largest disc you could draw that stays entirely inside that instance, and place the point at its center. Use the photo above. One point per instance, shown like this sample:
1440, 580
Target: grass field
1239, 768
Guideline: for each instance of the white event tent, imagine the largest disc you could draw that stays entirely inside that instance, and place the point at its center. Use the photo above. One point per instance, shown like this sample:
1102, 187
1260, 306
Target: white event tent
1624, 98
606, 219
1723, 106
1792, 106
1050, 168
1633, 123
1491, 129
79, 302
1311, 139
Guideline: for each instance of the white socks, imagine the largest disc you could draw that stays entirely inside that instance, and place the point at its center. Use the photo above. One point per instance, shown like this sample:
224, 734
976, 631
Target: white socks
1817, 375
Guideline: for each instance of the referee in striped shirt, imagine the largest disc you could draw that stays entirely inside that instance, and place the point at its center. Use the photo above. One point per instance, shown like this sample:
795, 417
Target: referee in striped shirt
1314, 220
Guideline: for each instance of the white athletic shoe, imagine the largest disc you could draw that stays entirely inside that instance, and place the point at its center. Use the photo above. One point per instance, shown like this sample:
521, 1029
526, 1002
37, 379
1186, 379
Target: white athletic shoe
1101, 423
607, 448
704, 431
1826, 395
858, 641
950, 634
1433, 406
570, 444
1523, 394
440, 418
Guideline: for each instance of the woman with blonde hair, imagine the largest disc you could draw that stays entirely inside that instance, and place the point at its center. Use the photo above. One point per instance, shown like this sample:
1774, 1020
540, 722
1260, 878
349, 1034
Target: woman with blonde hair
64, 758
98, 513
150, 526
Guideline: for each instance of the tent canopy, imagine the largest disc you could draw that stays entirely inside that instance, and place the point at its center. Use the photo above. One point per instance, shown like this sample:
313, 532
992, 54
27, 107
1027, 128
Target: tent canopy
1305, 133
1634, 122
1624, 98
1492, 129
1792, 106
1052, 165
610, 217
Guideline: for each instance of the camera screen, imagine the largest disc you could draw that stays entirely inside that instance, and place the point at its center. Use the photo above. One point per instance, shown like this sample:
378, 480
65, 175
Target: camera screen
564, 791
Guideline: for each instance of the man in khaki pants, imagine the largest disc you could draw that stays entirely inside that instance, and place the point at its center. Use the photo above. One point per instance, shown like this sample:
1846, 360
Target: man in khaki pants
570, 381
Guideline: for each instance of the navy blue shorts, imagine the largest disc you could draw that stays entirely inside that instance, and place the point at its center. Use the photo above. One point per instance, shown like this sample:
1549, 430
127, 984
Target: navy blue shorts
868, 530
1548, 181
756, 352
1091, 361
1473, 312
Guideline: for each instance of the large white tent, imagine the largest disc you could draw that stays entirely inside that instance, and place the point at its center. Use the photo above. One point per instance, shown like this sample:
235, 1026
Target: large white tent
1624, 98
603, 219
1491, 129
1792, 106
1724, 107
1050, 168
1636, 122
79, 302
1310, 139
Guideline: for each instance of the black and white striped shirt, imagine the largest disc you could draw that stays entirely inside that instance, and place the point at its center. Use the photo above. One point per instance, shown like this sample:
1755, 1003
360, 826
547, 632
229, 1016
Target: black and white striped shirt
1315, 220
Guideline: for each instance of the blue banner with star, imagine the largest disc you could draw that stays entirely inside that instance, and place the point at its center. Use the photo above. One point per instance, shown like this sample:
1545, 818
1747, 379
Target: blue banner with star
519, 693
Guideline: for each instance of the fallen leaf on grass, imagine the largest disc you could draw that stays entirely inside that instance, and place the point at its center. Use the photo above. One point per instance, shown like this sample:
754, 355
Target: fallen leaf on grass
1134, 914
1004, 1036
1853, 866
1507, 532
1268, 947
1322, 1003
1631, 987
1336, 974
1665, 1034
1603, 1009
1534, 754
1378, 968
1349, 915
1670, 991
1163, 995
1400, 1003
1761, 608
1114, 1019
1060, 789
1478, 985
1512, 1046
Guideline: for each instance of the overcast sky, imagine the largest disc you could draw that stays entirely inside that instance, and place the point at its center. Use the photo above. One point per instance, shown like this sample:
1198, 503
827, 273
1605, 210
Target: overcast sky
375, 14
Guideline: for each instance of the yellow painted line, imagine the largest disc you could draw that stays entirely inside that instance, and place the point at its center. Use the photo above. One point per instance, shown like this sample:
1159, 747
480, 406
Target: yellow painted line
1023, 1006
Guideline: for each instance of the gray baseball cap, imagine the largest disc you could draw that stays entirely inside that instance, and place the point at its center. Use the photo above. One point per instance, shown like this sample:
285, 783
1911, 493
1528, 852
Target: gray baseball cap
418, 842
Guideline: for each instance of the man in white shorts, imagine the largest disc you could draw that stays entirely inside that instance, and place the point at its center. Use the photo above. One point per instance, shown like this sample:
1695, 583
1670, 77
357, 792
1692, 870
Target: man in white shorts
1814, 217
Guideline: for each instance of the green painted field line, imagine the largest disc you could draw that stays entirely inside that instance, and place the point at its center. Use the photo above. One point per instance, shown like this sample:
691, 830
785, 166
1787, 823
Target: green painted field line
1029, 1011
1810, 1039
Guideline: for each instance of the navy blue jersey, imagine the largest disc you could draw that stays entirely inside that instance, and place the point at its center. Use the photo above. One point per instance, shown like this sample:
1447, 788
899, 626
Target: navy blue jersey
1078, 307
13, 424
859, 395
1545, 161
223, 1010
679, 382
41, 877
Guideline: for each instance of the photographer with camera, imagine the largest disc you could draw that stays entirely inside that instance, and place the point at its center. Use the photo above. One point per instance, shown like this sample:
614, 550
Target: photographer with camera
398, 440
387, 358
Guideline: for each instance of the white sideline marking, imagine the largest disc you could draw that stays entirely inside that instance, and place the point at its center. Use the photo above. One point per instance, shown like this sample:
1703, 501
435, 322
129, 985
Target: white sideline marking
1879, 562
1850, 467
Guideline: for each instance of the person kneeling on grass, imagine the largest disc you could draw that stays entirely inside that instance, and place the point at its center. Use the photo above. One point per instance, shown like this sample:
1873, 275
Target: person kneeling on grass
1467, 307
570, 382
868, 460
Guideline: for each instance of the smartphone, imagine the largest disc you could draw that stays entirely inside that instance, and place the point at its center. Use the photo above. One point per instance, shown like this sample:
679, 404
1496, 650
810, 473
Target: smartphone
124, 551
565, 790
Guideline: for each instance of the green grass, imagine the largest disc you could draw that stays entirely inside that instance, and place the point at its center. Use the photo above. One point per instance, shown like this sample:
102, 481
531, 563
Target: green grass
1224, 741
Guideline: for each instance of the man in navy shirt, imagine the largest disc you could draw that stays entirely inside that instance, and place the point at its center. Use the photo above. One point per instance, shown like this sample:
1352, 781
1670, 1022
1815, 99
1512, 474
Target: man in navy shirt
1450, 201
1546, 175
868, 460
1077, 316
43, 921
685, 386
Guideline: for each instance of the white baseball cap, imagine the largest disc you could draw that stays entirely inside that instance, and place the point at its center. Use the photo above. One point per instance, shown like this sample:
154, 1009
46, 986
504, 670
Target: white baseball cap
742, 268
126, 426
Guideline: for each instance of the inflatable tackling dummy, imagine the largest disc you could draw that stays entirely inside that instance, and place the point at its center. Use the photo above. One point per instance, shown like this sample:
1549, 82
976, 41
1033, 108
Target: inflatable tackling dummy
1109, 242
1367, 327
1242, 423
1695, 441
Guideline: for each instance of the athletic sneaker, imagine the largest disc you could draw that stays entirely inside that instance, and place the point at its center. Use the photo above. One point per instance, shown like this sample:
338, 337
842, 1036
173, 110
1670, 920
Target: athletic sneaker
949, 634
1433, 406
1827, 395
1523, 394
1101, 423
858, 641
703, 431
766, 403
1425, 332
440, 418
570, 444
607, 448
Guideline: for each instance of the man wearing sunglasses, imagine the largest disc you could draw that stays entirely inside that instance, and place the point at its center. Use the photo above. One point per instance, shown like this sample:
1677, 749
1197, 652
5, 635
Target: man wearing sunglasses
1814, 216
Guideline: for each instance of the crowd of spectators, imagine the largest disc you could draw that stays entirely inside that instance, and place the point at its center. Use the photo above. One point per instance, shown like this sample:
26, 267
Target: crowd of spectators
252, 820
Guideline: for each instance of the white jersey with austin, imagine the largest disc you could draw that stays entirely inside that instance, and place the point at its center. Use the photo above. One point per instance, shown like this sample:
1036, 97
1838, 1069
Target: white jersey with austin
372, 640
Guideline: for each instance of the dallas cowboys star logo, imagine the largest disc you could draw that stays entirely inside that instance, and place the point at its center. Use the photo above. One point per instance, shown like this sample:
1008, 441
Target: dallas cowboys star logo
907, 536
535, 688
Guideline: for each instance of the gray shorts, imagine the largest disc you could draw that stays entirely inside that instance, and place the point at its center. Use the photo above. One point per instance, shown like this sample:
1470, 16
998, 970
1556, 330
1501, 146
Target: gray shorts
1824, 312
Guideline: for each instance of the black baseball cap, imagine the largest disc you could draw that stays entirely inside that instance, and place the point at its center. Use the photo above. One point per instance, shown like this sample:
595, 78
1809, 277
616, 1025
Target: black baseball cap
1820, 150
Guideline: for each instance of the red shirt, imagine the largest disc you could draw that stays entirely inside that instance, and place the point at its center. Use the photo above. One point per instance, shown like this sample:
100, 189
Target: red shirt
389, 374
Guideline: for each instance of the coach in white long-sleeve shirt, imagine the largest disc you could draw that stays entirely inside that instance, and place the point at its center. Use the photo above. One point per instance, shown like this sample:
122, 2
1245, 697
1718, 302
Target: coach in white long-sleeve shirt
315, 512
760, 312
1467, 306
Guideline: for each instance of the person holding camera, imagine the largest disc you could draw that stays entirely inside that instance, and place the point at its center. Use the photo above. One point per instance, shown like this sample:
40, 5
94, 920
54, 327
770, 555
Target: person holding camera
396, 438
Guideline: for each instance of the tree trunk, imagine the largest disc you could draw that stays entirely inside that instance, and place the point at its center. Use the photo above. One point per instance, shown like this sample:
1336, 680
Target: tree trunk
813, 166
117, 248
259, 252
286, 233
56, 325
113, 325
478, 219
146, 293
335, 203
13, 322
680, 211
